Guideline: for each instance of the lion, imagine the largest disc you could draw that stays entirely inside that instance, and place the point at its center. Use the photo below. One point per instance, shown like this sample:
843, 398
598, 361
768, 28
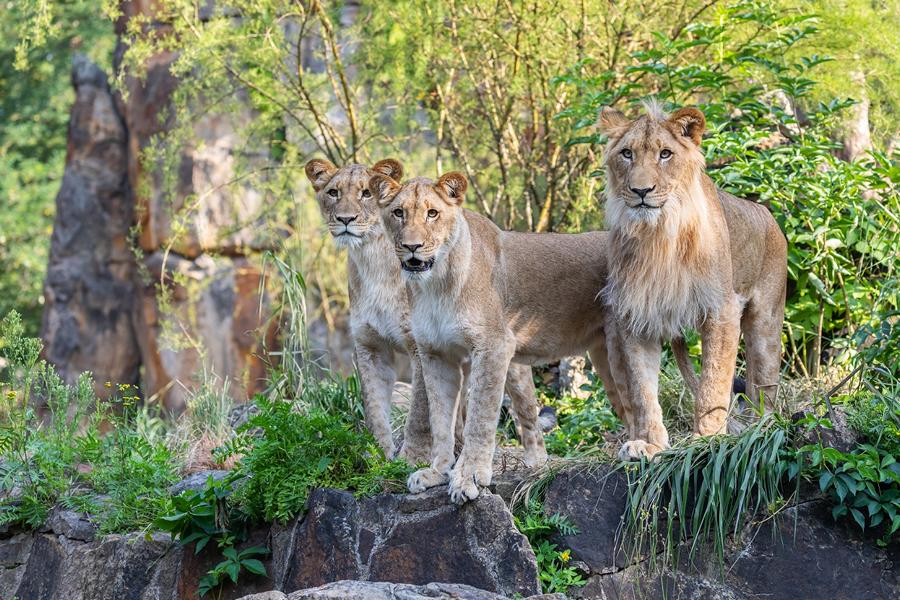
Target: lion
485, 298
379, 314
685, 255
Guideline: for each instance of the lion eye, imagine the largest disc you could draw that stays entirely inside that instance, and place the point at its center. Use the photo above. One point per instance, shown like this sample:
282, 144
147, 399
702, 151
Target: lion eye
398, 212
627, 153
366, 194
432, 214
664, 154
332, 192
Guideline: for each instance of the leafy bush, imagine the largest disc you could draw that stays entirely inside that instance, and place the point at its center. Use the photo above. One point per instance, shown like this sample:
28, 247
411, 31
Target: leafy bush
285, 452
554, 572
863, 485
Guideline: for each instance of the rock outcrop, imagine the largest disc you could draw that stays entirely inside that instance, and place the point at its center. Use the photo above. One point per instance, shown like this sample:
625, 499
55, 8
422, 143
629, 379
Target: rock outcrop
368, 590
403, 539
89, 288
805, 555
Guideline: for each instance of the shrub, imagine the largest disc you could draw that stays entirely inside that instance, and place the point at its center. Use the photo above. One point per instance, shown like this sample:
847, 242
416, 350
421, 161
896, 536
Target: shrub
554, 571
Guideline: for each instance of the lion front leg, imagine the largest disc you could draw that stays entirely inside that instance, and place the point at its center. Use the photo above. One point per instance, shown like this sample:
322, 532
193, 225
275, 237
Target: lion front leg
639, 360
484, 397
376, 378
720, 337
442, 382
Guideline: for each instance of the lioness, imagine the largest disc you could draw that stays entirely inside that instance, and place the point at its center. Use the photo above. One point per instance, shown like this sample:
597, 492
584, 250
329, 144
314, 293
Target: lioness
379, 314
686, 255
483, 296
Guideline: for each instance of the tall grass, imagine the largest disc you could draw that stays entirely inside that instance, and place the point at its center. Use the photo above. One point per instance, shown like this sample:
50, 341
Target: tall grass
703, 492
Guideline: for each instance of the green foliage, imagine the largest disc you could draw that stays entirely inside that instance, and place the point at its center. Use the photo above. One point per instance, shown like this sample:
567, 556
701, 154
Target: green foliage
37, 41
863, 485
581, 422
706, 490
235, 562
60, 457
286, 452
554, 572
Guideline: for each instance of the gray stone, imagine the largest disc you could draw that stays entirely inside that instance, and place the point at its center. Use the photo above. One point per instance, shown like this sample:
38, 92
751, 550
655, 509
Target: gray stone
594, 500
197, 481
840, 436
415, 539
367, 590
71, 524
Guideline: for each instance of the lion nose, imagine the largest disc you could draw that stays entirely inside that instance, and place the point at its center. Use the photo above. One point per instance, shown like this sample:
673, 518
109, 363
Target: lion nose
643, 191
346, 220
412, 247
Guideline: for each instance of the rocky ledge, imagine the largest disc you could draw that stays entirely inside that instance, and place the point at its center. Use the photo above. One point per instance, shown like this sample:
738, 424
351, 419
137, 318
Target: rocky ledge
396, 546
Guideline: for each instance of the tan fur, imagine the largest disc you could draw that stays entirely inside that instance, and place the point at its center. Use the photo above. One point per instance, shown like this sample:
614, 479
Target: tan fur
686, 255
491, 297
379, 312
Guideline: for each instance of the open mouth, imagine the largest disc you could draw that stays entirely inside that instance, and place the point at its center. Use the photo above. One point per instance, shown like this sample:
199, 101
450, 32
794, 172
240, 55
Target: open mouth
415, 265
644, 205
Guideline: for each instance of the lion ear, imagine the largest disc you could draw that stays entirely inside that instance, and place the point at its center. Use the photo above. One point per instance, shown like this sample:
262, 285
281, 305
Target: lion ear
319, 171
612, 122
453, 184
390, 167
690, 122
383, 188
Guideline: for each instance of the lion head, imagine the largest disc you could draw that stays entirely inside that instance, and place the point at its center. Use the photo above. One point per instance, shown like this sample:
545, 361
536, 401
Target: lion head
345, 198
653, 165
420, 217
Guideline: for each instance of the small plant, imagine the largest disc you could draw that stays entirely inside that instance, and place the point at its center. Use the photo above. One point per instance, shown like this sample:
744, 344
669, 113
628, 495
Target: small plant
555, 572
863, 485
235, 562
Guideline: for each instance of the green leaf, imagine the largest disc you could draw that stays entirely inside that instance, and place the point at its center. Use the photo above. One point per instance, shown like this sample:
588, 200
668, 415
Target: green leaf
858, 517
254, 566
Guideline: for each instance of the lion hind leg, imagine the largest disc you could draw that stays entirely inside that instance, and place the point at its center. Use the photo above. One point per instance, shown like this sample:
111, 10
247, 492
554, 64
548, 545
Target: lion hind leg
524, 407
720, 337
762, 327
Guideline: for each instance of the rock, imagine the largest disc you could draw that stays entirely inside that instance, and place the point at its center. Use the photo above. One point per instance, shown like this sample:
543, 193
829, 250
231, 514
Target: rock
414, 539
14, 553
89, 290
217, 301
73, 525
367, 590
594, 500
572, 376
840, 436
197, 481
818, 559
266, 596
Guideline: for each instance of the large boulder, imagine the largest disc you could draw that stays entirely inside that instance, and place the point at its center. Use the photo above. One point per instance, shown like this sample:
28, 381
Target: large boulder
89, 286
379, 590
415, 539
804, 555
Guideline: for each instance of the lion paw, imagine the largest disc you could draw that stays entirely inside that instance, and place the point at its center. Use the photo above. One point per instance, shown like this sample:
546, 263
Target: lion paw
637, 449
426, 478
465, 479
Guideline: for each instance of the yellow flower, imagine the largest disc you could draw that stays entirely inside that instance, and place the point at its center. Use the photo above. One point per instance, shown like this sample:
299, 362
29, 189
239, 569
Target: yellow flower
11, 395
564, 556
108, 384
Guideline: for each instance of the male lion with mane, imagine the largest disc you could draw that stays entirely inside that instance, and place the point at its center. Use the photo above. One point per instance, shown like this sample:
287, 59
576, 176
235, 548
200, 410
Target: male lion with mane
379, 314
684, 254
481, 297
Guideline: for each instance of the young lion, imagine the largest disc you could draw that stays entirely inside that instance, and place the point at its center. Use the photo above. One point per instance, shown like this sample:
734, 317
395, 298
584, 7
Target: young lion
484, 297
379, 313
686, 255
